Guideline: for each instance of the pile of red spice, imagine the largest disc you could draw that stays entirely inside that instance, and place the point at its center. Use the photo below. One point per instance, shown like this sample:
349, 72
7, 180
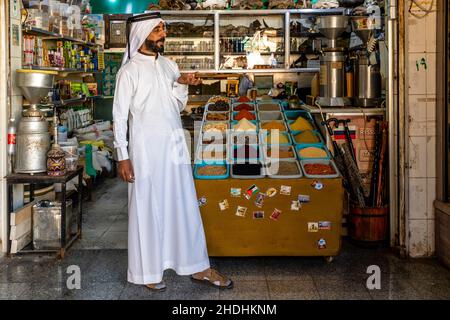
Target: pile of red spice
245, 114
244, 106
243, 99
319, 169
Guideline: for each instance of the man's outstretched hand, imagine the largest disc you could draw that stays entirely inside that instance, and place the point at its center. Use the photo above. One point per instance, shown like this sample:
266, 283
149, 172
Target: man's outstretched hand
126, 171
189, 79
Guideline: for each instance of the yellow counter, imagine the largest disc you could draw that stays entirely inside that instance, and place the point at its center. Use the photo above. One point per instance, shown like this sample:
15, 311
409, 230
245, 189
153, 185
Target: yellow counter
230, 235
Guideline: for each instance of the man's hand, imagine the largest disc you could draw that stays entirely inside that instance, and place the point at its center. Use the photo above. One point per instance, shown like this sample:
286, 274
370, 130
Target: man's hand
126, 171
189, 79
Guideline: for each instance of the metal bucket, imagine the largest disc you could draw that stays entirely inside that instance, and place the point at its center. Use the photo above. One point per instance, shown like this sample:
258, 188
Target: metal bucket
47, 224
33, 143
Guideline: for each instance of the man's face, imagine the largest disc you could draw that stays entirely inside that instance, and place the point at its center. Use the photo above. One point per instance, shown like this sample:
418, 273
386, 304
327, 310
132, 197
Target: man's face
155, 40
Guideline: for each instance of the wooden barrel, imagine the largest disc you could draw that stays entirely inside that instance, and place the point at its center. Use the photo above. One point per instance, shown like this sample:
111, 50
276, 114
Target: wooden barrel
368, 224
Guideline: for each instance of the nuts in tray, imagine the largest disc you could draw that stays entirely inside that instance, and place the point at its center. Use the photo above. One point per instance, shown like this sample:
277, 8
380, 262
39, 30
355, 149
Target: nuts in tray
210, 116
215, 127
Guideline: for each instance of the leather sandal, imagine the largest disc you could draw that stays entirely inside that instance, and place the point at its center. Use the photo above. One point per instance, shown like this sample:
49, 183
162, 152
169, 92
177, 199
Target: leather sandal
158, 287
213, 278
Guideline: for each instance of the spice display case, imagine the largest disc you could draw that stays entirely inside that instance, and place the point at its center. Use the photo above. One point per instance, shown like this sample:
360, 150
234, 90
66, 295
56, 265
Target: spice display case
240, 216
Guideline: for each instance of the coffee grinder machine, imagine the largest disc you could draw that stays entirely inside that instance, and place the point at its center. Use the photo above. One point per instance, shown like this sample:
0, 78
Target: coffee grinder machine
332, 63
367, 85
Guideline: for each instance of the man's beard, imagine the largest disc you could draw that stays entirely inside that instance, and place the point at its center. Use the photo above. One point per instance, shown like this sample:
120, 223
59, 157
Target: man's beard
153, 45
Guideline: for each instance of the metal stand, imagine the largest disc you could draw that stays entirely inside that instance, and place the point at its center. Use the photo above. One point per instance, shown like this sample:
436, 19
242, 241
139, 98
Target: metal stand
44, 178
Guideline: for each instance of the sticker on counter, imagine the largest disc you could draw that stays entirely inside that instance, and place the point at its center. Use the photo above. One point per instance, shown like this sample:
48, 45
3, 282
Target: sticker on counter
275, 214
251, 191
317, 185
303, 198
202, 201
258, 215
322, 244
271, 192
313, 227
295, 206
324, 225
240, 211
285, 190
235, 192
223, 205
259, 202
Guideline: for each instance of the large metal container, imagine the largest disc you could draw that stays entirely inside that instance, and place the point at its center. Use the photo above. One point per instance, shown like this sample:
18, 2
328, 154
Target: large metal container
33, 143
33, 138
47, 224
367, 83
332, 79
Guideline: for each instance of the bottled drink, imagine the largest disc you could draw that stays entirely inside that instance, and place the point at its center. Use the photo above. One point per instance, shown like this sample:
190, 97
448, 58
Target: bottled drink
11, 137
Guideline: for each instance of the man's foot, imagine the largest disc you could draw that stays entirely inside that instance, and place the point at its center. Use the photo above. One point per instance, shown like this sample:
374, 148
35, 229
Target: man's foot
214, 278
159, 287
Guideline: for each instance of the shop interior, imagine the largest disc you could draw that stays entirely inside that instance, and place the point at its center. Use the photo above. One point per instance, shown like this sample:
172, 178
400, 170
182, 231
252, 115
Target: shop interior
288, 132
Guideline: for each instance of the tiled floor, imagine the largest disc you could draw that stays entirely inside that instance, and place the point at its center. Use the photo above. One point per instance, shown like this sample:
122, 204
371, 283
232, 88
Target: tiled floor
102, 258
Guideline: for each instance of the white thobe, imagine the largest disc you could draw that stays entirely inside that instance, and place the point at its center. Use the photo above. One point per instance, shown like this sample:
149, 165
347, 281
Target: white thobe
165, 229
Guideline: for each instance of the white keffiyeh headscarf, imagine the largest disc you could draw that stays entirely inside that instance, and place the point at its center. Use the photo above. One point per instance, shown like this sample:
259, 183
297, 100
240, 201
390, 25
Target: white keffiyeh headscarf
139, 31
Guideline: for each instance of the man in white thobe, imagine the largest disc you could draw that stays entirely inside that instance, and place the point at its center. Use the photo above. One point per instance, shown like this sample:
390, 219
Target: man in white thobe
165, 229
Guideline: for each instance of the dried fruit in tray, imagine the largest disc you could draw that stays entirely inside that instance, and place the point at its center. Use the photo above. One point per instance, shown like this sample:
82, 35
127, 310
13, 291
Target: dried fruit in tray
219, 106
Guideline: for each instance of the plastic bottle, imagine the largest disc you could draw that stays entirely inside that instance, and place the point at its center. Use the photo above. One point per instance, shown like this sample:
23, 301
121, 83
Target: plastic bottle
11, 137
62, 134
272, 60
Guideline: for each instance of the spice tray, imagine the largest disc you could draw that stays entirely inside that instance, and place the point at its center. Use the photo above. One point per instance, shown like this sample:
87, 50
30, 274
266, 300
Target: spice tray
262, 107
238, 176
299, 147
293, 134
241, 157
235, 122
208, 108
270, 115
271, 158
262, 138
320, 161
274, 174
226, 113
236, 112
290, 122
261, 123
218, 148
294, 114
253, 105
218, 177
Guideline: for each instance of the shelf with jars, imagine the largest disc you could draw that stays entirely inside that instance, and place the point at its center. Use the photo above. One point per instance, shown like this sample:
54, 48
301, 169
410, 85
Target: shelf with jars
239, 41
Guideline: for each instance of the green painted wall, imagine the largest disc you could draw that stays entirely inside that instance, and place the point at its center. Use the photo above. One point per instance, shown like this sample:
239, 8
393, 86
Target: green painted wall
120, 6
